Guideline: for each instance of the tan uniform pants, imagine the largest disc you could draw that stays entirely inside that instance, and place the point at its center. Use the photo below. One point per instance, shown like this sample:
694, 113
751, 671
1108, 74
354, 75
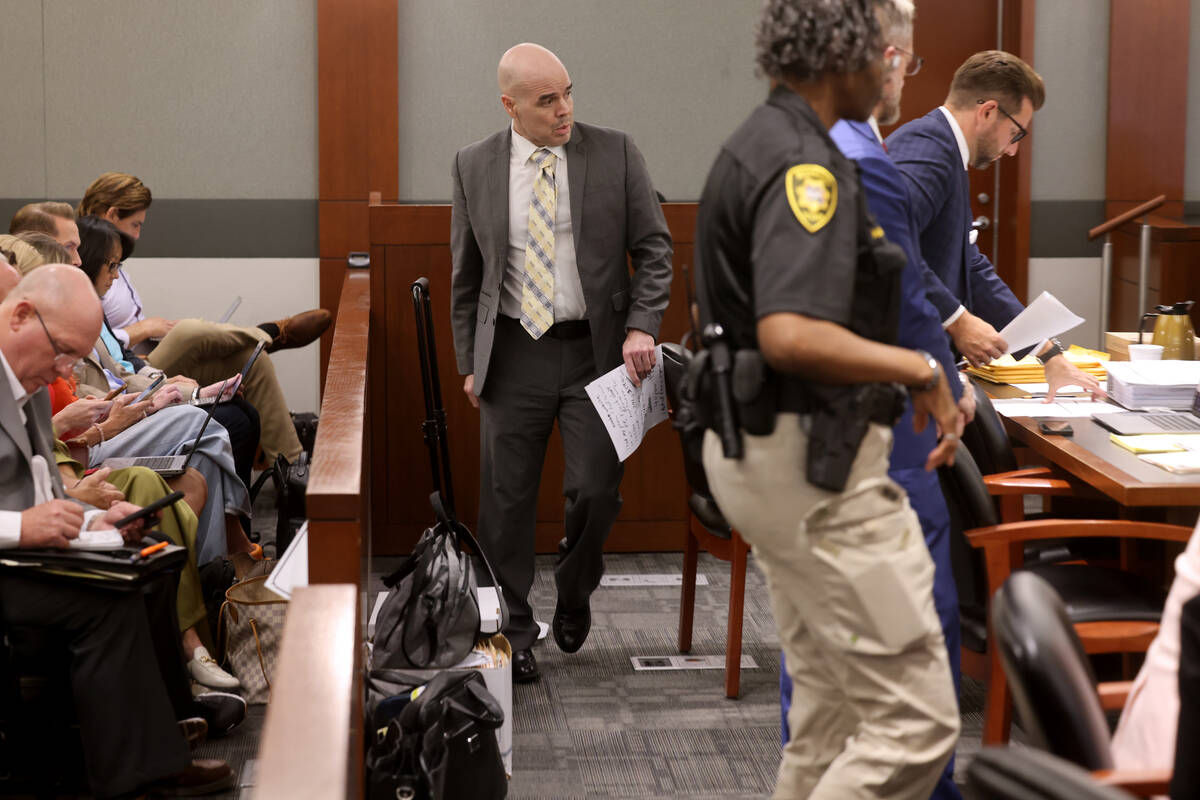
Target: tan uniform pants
213, 351
873, 708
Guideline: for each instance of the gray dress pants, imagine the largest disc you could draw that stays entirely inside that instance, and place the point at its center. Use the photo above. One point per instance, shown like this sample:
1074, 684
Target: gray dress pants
529, 385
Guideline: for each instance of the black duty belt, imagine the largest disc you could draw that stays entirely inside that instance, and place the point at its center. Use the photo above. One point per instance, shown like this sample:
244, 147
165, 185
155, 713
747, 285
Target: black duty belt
881, 402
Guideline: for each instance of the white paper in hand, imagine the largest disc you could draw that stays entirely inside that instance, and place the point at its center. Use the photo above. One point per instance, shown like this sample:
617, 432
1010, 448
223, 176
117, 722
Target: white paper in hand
1042, 319
628, 411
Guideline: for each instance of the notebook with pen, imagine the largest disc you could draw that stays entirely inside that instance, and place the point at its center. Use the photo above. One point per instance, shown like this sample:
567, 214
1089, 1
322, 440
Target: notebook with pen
119, 568
166, 466
208, 401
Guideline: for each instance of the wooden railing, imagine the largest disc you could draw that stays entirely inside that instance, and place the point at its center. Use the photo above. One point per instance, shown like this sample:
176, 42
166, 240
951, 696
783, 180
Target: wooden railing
312, 743
1131, 214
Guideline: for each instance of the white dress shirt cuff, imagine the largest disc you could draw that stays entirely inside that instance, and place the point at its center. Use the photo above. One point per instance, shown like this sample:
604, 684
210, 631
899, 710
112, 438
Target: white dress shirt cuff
10, 529
950, 320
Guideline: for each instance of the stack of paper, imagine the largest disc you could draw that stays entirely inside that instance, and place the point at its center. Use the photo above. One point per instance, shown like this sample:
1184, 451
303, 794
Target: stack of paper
1183, 463
1151, 384
1007, 369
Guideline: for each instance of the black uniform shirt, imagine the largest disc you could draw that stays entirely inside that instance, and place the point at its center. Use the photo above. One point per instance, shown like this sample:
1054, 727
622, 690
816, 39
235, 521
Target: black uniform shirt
777, 224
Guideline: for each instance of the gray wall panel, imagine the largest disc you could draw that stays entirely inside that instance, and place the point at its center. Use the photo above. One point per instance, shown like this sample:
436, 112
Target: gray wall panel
1191, 178
199, 98
22, 157
678, 75
1068, 134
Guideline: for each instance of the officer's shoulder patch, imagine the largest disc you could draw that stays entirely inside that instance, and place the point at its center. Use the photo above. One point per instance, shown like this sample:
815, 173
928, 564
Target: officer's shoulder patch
812, 194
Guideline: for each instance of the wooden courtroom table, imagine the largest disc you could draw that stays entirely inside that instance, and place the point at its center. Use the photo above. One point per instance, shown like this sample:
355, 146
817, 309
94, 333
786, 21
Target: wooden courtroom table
1090, 456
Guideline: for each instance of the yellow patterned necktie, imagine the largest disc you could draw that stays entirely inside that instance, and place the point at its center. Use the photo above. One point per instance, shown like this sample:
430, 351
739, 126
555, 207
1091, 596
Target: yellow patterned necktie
537, 294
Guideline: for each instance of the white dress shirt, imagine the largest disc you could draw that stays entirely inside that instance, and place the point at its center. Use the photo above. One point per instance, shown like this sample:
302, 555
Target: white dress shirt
43, 487
122, 306
568, 289
965, 152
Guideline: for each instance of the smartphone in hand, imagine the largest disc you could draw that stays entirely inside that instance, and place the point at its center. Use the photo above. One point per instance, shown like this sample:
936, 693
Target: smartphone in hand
150, 510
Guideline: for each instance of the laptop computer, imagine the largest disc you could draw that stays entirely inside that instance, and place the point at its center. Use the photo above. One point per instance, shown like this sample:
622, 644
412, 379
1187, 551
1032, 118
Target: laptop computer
208, 401
1127, 423
166, 466
237, 301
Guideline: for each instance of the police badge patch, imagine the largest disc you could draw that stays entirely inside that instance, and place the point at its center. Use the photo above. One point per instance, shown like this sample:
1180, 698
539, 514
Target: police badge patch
812, 194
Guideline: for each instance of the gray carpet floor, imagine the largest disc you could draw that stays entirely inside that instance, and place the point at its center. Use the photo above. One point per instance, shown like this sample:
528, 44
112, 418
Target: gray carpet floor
594, 727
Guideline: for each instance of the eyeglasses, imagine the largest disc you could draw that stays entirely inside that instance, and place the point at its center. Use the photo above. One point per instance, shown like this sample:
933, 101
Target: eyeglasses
915, 61
114, 266
1020, 133
64, 363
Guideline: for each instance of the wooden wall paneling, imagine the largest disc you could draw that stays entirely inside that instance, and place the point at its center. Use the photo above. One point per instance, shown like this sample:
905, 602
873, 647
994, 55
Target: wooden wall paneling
413, 241
1174, 253
1147, 103
358, 116
1015, 174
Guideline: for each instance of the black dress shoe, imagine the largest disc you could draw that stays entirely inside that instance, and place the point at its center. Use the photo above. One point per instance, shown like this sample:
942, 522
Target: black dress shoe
525, 668
571, 627
221, 710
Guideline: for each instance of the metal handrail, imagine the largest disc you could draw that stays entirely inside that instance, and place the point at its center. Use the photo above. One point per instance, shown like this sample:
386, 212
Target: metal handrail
1105, 229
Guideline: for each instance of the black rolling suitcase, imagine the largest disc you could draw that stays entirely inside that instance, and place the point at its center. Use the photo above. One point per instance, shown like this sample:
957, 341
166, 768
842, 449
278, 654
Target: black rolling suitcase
431, 620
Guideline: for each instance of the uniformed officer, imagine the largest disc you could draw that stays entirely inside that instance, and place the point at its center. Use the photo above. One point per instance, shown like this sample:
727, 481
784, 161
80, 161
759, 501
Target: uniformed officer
791, 264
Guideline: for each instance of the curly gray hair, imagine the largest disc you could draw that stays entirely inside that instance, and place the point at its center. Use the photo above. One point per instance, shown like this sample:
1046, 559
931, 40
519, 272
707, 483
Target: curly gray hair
805, 39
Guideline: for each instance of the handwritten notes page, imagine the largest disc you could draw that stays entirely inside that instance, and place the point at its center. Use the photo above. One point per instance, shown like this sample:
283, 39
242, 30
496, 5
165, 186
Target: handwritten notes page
628, 411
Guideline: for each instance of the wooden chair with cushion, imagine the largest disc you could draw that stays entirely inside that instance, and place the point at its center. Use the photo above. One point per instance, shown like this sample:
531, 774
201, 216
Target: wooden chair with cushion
1053, 687
707, 529
1113, 611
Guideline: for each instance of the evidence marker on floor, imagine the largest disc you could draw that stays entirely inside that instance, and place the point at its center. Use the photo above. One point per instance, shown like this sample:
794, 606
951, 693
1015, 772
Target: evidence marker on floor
657, 663
656, 579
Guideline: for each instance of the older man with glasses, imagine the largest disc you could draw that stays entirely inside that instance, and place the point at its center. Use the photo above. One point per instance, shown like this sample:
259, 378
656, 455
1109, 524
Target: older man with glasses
991, 103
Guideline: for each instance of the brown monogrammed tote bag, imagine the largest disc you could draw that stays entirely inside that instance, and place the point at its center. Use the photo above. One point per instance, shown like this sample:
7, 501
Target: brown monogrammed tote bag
252, 617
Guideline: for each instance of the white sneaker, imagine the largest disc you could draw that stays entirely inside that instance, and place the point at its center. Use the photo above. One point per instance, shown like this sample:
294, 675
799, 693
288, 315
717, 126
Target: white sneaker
206, 670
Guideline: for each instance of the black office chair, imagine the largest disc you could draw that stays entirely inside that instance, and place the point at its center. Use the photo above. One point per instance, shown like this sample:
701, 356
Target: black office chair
1053, 686
1002, 773
986, 438
988, 443
1185, 781
1113, 611
707, 528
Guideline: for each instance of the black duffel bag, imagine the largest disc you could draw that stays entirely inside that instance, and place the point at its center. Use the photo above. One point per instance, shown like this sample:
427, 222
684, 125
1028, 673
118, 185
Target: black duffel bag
441, 746
430, 620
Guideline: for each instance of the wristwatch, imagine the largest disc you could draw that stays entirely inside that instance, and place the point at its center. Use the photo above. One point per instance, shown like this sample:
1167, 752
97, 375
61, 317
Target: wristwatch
934, 369
1056, 349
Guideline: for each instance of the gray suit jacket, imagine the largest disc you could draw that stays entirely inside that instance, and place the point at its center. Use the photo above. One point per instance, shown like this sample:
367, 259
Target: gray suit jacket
16, 449
615, 217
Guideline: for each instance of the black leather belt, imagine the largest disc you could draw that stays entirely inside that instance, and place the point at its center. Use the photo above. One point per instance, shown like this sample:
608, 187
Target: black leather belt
570, 329
567, 329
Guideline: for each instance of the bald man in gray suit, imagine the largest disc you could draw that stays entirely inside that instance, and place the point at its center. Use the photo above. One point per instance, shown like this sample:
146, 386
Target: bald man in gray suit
549, 215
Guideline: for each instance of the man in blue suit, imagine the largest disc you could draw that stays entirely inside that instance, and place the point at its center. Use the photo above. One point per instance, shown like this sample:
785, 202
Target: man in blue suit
919, 328
988, 111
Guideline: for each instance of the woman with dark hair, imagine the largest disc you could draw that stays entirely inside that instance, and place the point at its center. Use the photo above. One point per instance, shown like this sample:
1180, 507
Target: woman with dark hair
221, 529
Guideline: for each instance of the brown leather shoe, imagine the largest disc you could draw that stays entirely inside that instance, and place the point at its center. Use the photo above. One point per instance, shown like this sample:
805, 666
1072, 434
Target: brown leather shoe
300, 329
203, 776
